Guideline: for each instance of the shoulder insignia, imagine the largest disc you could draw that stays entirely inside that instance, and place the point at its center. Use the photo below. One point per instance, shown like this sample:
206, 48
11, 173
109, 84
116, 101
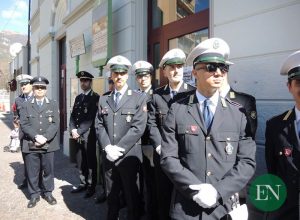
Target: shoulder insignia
166, 86
232, 95
253, 114
32, 101
110, 93
151, 92
47, 100
92, 93
223, 102
287, 115
129, 92
185, 86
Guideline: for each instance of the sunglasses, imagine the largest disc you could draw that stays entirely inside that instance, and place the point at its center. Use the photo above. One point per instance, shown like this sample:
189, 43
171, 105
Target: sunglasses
40, 87
212, 67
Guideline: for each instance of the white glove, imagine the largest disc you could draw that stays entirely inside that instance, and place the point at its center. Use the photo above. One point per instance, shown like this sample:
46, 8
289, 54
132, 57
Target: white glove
113, 152
40, 139
206, 196
158, 149
75, 135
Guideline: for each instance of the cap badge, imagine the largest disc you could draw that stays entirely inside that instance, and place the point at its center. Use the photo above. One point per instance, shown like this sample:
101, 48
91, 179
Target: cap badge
119, 59
40, 79
175, 54
216, 44
82, 73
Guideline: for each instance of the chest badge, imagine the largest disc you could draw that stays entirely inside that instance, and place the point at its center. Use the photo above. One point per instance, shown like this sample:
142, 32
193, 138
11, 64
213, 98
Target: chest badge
128, 118
85, 110
50, 119
228, 148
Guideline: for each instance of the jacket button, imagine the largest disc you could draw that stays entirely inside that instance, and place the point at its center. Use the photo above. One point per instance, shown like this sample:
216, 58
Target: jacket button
208, 173
208, 138
114, 135
115, 113
41, 129
40, 122
41, 116
209, 155
115, 124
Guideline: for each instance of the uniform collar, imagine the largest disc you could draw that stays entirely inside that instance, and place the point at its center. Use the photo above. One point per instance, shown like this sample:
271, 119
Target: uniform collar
87, 92
224, 91
297, 112
123, 90
178, 87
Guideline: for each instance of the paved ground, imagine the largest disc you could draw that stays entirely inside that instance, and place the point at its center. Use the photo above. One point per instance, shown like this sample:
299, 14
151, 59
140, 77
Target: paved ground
13, 202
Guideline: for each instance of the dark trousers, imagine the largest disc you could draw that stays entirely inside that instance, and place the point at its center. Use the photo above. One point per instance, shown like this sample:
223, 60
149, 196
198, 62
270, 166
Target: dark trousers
37, 163
150, 189
87, 160
123, 179
164, 189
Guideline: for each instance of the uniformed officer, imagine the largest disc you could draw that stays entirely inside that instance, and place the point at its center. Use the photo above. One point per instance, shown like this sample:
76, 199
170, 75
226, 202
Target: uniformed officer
82, 128
143, 73
120, 123
205, 150
27, 95
247, 101
172, 66
282, 147
39, 121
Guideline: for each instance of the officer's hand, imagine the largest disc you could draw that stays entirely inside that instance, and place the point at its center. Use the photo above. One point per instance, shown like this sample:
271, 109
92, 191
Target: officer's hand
113, 152
75, 135
40, 139
206, 196
158, 149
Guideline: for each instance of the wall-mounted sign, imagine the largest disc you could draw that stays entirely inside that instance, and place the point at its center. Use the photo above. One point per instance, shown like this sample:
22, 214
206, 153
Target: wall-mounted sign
77, 46
101, 33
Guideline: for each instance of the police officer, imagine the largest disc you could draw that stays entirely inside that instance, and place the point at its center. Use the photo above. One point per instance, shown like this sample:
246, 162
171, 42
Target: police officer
205, 150
27, 95
282, 149
143, 73
247, 101
120, 123
39, 121
172, 67
82, 128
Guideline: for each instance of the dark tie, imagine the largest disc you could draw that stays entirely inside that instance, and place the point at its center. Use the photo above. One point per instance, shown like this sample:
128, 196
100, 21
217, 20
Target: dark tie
117, 99
207, 114
174, 93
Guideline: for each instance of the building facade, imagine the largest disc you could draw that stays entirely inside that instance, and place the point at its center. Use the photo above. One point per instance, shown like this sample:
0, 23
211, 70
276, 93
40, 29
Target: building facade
260, 35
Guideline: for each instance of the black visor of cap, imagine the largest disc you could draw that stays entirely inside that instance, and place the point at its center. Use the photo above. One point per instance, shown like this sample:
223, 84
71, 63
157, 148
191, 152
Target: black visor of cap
119, 68
294, 73
209, 58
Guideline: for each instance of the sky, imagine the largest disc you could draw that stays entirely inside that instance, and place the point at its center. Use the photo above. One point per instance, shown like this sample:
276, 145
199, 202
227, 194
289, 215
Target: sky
14, 15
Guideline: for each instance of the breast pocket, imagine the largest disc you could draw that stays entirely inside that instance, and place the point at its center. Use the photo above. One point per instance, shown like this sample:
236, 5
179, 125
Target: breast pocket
227, 143
128, 113
189, 135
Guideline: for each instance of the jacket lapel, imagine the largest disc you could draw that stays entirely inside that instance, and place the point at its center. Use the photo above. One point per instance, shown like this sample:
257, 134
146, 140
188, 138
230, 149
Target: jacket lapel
219, 114
166, 94
193, 109
110, 101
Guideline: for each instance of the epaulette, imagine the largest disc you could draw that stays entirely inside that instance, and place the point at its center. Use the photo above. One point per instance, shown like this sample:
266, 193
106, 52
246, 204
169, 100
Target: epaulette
185, 86
287, 115
151, 92
47, 100
223, 102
